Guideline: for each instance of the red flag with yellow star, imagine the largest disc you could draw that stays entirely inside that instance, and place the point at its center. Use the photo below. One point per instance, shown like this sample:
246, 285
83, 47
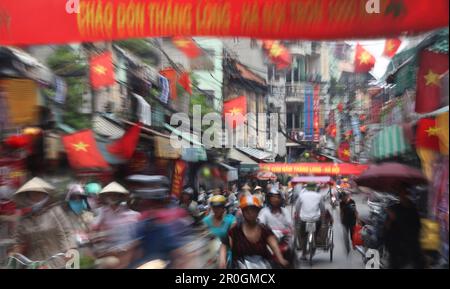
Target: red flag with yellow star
277, 53
364, 61
172, 77
427, 134
187, 46
432, 66
82, 151
344, 152
185, 82
235, 110
101, 70
126, 145
391, 46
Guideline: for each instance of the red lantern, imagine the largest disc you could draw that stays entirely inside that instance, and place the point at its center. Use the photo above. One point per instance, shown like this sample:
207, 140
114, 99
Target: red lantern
362, 117
340, 107
18, 141
363, 128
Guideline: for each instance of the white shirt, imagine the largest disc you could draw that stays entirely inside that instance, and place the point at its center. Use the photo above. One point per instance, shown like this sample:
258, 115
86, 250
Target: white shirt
277, 221
310, 205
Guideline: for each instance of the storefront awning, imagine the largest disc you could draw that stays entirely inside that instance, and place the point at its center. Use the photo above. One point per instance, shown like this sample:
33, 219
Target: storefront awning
238, 156
389, 142
194, 154
106, 128
232, 173
28, 65
184, 135
257, 154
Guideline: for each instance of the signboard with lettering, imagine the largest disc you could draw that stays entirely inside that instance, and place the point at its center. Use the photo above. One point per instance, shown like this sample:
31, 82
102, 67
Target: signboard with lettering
316, 112
34, 22
313, 168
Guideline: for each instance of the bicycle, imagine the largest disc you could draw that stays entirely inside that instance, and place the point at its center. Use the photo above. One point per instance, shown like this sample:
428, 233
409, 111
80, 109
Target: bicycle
19, 261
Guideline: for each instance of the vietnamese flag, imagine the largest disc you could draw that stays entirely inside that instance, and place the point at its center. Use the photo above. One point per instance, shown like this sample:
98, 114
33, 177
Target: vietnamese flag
172, 77
391, 46
187, 46
82, 151
431, 67
442, 125
344, 151
126, 145
364, 61
277, 53
427, 135
185, 82
101, 70
235, 109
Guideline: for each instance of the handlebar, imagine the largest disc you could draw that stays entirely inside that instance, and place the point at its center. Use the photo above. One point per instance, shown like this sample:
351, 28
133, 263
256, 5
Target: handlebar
25, 261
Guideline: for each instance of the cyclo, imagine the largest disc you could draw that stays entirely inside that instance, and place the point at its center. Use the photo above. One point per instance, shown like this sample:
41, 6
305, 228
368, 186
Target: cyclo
315, 238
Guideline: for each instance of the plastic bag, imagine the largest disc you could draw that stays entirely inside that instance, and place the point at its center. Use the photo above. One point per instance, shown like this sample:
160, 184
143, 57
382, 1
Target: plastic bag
357, 237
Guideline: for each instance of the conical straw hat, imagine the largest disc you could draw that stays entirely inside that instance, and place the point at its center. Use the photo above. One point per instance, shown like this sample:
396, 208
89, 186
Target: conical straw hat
36, 185
114, 187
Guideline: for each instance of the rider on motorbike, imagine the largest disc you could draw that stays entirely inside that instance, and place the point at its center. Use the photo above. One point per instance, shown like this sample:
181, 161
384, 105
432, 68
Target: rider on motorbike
187, 202
250, 238
219, 222
163, 227
278, 219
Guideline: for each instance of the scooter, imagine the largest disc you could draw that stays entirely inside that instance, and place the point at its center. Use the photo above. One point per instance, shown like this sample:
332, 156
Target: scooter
372, 230
253, 262
285, 243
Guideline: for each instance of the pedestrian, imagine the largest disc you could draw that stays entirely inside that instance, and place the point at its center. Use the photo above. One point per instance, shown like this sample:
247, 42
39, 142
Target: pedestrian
116, 226
257, 191
46, 230
402, 234
349, 217
187, 202
245, 191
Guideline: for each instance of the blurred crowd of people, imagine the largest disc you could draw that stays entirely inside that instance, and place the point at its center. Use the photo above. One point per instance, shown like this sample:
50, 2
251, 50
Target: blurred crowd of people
127, 225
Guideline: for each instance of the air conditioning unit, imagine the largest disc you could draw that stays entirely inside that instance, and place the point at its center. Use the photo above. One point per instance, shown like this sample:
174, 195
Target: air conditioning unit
269, 146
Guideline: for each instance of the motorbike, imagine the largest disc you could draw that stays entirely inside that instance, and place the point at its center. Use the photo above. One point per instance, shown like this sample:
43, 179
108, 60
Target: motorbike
285, 243
373, 227
253, 262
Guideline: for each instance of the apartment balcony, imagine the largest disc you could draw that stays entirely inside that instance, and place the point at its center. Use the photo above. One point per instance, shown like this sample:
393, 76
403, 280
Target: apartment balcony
295, 92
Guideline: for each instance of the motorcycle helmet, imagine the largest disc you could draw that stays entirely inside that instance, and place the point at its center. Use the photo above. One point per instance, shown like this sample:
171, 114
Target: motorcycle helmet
93, 189
74, 189
250, 201
217, 201
188, 191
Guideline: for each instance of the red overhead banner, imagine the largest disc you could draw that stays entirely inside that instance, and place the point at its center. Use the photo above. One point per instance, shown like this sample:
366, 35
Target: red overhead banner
327, 169
56, 21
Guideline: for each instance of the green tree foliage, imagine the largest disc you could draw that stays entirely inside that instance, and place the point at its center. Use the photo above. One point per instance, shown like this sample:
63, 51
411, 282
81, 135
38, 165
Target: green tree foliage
141, 48
69, 64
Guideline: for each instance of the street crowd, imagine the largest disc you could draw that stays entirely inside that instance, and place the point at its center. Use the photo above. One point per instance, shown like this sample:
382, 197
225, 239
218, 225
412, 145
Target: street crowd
128, 226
